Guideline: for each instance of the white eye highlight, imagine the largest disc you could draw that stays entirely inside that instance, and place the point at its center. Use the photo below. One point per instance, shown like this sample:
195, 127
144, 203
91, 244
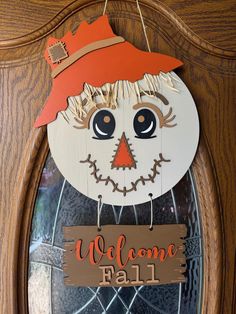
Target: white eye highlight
99, 131
148, 129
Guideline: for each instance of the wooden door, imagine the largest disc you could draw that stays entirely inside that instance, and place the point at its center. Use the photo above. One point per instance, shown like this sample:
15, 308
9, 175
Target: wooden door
202, 35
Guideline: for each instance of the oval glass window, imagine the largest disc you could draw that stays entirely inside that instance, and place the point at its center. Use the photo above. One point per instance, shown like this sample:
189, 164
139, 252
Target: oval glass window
59, 204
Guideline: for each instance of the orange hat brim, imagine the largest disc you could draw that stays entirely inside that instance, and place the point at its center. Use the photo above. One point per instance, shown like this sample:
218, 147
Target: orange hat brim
118, 62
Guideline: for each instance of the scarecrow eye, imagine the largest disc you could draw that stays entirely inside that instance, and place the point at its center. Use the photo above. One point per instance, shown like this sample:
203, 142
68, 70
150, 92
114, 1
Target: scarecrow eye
103, 125
144, 124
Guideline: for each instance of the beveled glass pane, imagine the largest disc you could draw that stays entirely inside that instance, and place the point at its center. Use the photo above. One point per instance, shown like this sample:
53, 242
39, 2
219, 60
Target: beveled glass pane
39, 287
59, 204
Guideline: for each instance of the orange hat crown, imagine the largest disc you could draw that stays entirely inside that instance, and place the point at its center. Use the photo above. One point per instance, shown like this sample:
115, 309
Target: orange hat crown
85, 34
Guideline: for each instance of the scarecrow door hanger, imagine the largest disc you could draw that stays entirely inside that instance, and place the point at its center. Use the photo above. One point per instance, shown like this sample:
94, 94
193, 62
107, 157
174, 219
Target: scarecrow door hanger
123, 129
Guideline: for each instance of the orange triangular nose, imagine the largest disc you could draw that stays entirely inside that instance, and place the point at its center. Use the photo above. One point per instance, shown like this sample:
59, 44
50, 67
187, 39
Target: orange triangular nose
123, 157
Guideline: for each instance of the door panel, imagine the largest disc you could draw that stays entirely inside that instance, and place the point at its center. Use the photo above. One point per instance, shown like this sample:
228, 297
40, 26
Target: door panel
208, 54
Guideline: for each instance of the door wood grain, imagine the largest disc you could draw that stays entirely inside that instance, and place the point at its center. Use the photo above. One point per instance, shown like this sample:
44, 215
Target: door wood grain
201, 34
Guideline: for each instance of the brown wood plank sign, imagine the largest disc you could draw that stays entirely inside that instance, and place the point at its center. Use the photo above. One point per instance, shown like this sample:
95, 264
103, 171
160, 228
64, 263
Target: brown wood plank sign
124, 255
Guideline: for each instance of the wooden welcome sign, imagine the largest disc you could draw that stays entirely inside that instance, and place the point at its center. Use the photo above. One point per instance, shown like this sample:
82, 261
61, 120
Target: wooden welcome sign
124, 255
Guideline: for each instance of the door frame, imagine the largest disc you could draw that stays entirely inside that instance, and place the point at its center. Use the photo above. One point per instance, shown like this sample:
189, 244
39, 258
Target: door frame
205, 167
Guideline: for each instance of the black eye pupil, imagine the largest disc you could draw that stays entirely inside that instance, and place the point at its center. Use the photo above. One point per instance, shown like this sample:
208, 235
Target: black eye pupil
144, 123
103, 124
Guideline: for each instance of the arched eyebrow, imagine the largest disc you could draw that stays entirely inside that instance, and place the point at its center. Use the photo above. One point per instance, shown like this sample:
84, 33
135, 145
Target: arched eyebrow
164, 120
85, 121
156, 94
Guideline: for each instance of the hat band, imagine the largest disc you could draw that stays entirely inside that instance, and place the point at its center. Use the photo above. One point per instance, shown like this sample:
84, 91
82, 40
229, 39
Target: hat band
85, 50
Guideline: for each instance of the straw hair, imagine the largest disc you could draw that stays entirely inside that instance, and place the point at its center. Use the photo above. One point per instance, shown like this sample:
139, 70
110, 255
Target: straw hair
109, 94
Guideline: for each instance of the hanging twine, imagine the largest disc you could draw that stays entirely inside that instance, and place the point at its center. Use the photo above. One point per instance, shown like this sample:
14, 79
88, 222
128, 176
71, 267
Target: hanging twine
105, 7
143, 25
141, 18
151, 220
99, 208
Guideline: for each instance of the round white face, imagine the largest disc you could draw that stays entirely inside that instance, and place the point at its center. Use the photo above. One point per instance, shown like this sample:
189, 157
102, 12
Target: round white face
141, 148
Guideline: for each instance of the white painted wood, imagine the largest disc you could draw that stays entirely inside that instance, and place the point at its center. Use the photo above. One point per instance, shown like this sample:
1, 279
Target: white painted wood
69, 146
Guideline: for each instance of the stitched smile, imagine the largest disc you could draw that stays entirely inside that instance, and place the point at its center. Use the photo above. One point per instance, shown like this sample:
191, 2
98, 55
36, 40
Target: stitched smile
150, 177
